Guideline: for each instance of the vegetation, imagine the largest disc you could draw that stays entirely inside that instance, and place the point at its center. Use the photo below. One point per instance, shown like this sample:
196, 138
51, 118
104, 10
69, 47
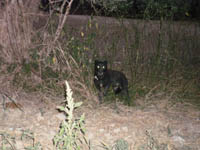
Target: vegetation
138, 9
9, 142
71, 128
178, 10
160, 58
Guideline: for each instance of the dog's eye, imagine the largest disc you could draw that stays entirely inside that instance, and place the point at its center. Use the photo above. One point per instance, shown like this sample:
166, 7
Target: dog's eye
98, 67
103, 67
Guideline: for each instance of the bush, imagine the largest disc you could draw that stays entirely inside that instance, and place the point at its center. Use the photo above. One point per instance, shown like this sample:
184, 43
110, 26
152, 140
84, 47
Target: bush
150, 9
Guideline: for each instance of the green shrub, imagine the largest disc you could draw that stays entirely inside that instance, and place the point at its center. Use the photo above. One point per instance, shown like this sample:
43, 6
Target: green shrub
68, 137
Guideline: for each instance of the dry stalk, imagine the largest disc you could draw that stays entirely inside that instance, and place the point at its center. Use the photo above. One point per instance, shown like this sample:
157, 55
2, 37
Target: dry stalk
6, 96
8, 140
63, 58
149, 94
15, 32
62, 18
75, 73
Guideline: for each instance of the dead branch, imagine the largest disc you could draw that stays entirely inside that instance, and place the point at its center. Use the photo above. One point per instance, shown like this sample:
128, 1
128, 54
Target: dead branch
62, 18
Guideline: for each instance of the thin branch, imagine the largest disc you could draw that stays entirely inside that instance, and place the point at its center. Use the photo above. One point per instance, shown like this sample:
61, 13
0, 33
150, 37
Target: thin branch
62, 18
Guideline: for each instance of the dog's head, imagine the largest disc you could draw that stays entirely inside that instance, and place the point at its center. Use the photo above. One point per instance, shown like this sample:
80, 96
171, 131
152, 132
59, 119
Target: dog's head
100, 68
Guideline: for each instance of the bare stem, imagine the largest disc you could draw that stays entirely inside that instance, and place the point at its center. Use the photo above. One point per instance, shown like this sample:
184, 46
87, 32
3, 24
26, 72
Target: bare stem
62, 18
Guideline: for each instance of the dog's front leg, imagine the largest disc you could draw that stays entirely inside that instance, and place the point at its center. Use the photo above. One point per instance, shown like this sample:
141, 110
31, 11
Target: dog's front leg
100, 97
106, 89
101, 93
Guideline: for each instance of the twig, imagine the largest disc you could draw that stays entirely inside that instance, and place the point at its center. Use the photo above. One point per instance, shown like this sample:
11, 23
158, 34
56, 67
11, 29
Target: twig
62, 19
12, 100
9, 142
151, 91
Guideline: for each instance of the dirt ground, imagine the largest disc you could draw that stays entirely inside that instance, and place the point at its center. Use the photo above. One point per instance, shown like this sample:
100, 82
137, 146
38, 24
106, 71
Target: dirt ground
159, 125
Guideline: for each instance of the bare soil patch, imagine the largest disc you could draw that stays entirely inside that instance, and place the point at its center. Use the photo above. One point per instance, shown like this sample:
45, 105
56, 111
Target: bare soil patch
168, 126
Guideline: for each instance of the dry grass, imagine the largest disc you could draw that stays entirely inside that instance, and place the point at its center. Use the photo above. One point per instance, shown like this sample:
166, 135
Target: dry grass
22, 38
15, 32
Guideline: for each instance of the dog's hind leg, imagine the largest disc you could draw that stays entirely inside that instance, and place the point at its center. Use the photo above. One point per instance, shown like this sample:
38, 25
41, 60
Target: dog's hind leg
126, 97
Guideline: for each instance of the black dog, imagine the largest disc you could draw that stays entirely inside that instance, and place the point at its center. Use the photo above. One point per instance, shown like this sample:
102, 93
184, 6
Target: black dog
104, 78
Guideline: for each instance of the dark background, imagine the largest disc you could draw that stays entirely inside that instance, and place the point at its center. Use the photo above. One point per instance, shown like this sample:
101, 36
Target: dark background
138, 9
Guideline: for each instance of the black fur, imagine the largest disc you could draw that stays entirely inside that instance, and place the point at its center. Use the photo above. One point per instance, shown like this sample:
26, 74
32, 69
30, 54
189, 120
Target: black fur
104, 78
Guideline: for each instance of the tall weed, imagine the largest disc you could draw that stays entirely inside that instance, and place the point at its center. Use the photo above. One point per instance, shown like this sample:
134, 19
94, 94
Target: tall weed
71, 129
